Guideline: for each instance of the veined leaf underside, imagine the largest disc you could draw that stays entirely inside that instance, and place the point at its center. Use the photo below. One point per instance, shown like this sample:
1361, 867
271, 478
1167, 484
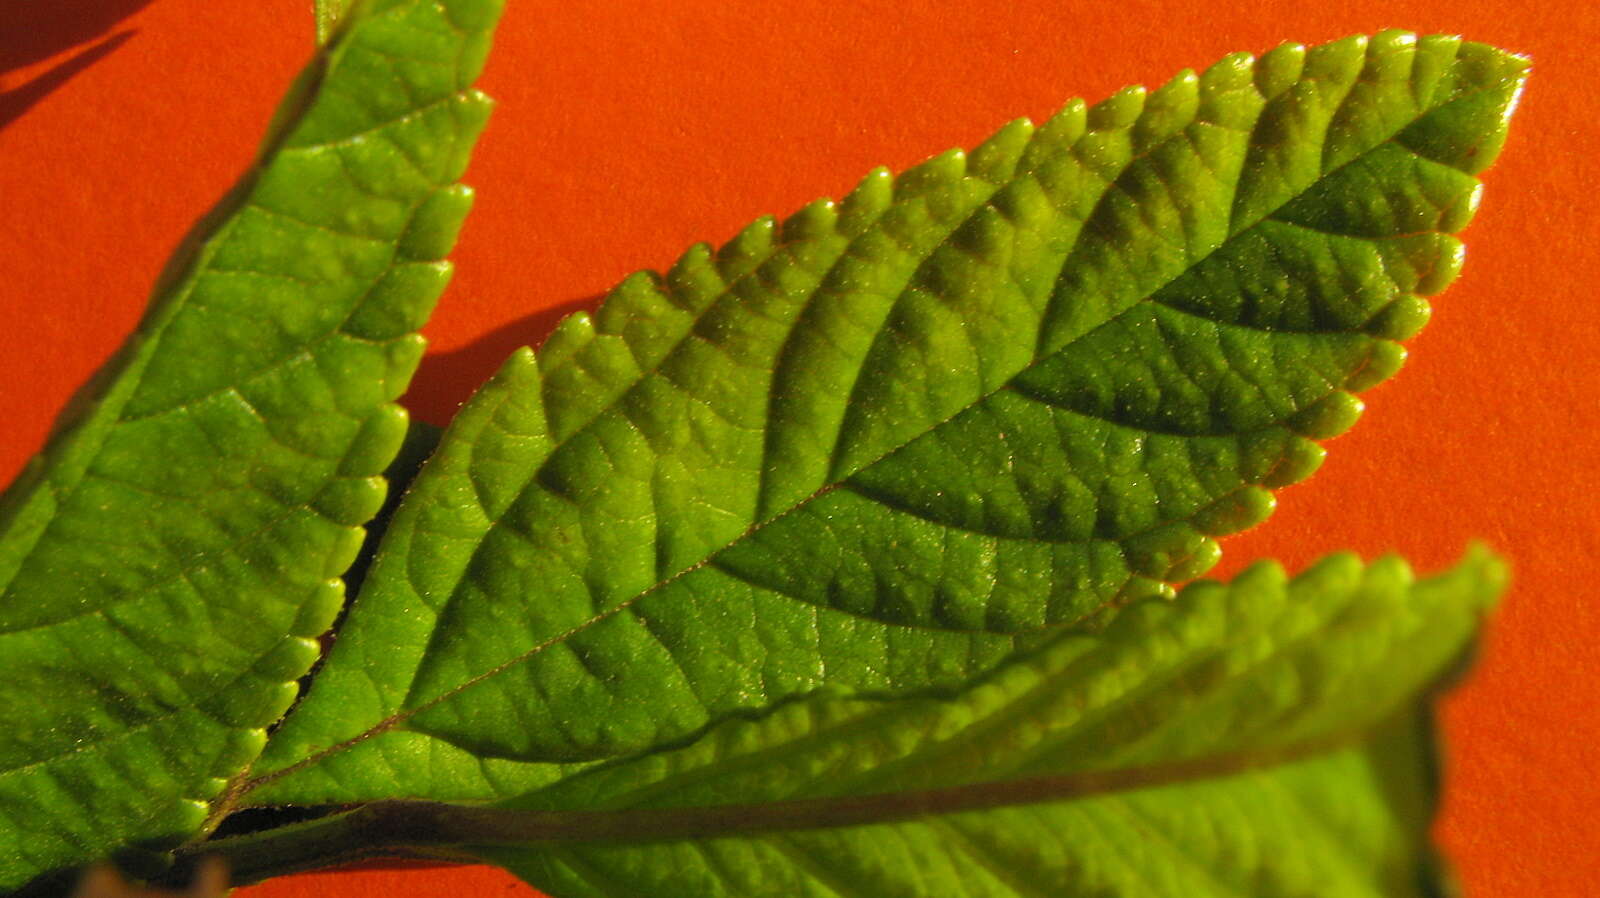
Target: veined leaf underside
1264, 737
883, 446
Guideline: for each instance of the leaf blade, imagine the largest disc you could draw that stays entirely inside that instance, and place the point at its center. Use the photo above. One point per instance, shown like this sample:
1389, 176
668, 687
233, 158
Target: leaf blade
1075, 812
166, 565
670, 554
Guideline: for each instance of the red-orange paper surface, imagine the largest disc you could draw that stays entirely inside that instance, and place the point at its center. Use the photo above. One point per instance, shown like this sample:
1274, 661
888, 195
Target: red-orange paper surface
627, 131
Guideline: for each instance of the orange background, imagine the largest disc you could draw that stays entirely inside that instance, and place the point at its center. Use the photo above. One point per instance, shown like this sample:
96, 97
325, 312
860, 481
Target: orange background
626, 131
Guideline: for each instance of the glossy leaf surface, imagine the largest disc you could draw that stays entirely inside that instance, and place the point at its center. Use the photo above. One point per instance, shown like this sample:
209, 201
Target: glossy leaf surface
167, 563
880, 448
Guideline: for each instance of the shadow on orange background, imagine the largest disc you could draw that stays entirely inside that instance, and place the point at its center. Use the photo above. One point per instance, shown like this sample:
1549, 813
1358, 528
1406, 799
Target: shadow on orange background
627, 131
36, 31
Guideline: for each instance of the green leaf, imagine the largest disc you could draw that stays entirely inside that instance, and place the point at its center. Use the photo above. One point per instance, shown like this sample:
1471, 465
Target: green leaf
886, 445
1295, 830
329, 14
1262, 738
1267, 737
167, 563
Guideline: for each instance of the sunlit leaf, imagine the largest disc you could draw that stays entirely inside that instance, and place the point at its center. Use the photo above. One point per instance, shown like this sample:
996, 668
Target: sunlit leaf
886, 444
166, 565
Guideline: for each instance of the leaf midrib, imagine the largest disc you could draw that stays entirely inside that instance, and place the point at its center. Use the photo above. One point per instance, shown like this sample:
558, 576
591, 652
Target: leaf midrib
399, 718
509, 826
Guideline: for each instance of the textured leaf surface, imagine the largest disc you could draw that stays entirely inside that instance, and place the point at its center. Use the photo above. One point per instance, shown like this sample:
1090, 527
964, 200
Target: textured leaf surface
165, 565
1156, 758
882, 446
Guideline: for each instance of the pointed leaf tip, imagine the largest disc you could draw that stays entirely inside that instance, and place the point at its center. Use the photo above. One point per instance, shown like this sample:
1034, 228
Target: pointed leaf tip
890, 443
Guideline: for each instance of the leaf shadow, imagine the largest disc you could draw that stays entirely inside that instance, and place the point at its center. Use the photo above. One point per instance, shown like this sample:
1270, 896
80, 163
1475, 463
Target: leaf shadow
18, 100
34, 32
445, 380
